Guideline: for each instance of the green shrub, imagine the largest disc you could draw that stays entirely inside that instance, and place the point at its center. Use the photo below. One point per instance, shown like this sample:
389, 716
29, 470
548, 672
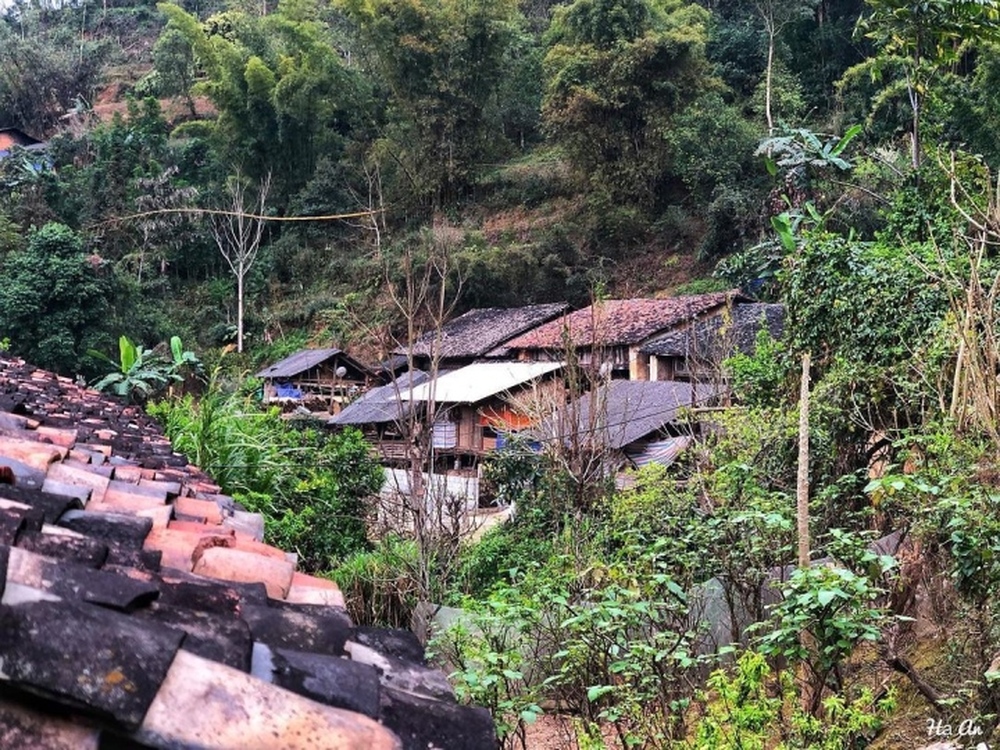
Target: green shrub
379, 584
312, 488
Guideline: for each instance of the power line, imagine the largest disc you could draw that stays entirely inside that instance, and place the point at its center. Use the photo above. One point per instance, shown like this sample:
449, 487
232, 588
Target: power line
240, 214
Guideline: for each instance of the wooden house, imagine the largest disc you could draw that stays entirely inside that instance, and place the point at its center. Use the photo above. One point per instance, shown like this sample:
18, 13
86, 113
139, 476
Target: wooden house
611, 333
467, 410
627, 423
319, 379
473, 405
478, 334
384, 417
697, 352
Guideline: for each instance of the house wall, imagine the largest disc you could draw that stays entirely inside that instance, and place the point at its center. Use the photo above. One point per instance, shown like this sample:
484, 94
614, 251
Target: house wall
638, 364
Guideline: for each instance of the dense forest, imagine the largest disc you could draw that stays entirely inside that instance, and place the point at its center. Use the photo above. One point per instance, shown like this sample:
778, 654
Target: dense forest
249, 179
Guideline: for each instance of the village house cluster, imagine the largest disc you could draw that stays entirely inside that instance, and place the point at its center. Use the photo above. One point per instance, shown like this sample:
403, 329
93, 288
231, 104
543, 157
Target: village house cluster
619, 374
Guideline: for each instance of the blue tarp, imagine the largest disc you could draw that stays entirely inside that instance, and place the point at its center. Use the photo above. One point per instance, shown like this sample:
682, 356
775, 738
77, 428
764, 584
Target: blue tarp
287, 390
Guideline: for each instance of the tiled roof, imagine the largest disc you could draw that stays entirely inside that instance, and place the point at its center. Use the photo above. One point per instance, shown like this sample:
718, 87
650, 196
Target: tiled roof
615, 322
307, 359
139, 607
624, 411
722, 335
478, 332
382, 404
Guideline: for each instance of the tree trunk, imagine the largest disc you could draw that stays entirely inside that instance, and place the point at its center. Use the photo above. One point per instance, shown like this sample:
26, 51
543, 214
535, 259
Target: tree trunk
768, 82
241, 273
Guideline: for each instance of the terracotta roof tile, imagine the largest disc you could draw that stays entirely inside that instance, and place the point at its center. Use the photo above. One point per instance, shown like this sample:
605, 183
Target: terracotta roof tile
204, 508
109, 584
34, 454
210, 695
248, 567
22, 727
73, 475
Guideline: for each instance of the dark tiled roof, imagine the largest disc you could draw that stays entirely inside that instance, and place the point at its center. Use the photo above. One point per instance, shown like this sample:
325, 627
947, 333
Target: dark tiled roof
615, 322
478, 332
624, 411
139, 607
722, 335
382, 404
305, 360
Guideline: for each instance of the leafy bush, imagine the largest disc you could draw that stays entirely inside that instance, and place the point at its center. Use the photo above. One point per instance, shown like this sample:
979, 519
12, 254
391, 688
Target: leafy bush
761, 379
749, 707
835, 607
312, 488
379, 585
611, 642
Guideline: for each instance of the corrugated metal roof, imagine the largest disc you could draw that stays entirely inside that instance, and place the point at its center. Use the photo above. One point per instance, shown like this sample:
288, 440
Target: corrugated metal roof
475, 382
382, 404
624, 411
298, 363
663, 452
621, 321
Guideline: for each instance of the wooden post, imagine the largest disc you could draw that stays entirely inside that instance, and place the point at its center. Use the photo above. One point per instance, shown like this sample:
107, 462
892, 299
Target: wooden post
808, 690
802, 479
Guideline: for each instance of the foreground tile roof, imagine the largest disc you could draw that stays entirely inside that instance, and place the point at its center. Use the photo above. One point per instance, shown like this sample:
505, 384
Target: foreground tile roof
139, 606
615, 322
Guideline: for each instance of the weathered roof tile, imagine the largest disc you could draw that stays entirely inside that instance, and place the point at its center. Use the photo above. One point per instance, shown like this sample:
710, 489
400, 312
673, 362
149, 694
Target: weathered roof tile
108, 663
331, 680
110, 554
319, 630
236, 565
23, 727
52, 505
203, 508
620, 321
74, 475
224, 708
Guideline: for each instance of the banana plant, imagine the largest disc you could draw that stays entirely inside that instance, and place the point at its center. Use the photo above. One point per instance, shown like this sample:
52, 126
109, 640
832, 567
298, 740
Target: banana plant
140, 373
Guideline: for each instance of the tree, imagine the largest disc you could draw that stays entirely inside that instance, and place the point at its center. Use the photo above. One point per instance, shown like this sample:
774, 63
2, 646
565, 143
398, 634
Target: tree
443, 63
174, 61
284, 96
41, 77
616, 73
776, 15
926, 39
238, 231
54, 300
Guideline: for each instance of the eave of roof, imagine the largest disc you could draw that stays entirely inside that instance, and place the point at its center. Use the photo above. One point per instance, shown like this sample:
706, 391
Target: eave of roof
476, 382
624, 411
381, 405
721, 334
305, 360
